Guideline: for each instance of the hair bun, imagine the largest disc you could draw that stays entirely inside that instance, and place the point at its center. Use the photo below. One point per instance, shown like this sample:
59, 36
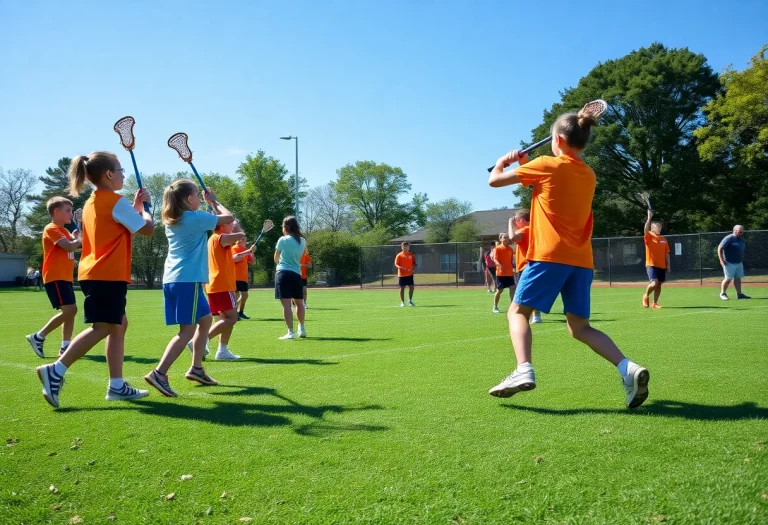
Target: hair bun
586, 120
85, 158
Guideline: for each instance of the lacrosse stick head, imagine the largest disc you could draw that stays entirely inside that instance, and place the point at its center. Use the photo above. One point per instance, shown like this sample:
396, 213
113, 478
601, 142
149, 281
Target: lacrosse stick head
178, 142
268, 225
594, 109
124, 128
644, 198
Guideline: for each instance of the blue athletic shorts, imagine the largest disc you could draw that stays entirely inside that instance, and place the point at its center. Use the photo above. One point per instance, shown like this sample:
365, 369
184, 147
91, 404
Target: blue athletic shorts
541, 283
185, 303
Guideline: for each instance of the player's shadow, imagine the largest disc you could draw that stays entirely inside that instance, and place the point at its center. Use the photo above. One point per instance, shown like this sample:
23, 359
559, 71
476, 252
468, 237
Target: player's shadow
438, 306
101, 358
324, 309
250, 413
265, 361
665, 408
267, 320
355, 339
694, 307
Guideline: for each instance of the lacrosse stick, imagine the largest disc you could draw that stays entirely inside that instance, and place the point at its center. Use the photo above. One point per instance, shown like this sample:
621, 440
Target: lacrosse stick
268, 225
178, 142
644, 198
124, 128
593, 109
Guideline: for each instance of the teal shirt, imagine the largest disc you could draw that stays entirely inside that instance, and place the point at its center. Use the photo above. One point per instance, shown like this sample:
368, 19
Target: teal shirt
290, 254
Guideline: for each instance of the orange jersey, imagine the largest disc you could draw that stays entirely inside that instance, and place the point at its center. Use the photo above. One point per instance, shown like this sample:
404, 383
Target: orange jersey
106, 251
221, 267
241, 267
58, 263
305, 260
656, 250
521, 251
561, 209
407, 261
503, 255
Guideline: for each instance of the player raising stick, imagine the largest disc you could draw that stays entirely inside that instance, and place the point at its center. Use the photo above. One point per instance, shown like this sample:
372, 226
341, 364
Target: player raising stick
657, 263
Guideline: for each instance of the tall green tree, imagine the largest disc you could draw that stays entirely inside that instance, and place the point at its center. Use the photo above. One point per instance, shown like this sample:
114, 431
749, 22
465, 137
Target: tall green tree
735, 138
441, 217
645, 140
55, 184
15, 187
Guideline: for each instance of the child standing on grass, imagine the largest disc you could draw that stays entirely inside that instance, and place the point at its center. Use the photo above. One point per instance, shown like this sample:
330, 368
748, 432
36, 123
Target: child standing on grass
59, 248
656, 260
221, 291
242, 256
505, 270
559, 255
185, 274
290, 247
405, 262
520, 233
306, 262
109, 221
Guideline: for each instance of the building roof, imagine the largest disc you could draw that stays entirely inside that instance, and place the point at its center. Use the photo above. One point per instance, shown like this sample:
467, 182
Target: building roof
489, 222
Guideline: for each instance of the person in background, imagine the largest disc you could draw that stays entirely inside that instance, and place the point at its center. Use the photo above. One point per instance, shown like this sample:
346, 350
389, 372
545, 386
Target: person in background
731, 255
405, 262
657, 263
503, 256
288, 251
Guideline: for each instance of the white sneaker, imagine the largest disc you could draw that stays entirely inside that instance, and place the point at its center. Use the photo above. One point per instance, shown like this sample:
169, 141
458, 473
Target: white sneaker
225, 355
636, 385
306, 306
496, 310
723, 297
289, 335
302, 332
514, 383
402, 305
205, 353
410, 303
536, 319
490, 291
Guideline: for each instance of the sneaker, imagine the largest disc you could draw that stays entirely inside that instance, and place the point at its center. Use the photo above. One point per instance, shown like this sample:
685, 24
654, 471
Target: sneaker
62, 350
302, 332
410, 303
402, 305
646, 303
636, 385
306, 306
52, 383
496, 310
127, 392
516, 382
742, 296
225, 355
241, 316
36, 344
205, 353
490, 291
656, 306
199, 375
289, 335
161, 383
724, 297
536, 319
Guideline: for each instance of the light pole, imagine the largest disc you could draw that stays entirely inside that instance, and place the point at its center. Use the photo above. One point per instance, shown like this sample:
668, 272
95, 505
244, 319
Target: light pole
297, 172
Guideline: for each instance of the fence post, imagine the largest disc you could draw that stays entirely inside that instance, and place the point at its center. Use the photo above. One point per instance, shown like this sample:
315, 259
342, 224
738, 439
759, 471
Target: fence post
456, 263
361, 268
381, 264
610, 263
701, 266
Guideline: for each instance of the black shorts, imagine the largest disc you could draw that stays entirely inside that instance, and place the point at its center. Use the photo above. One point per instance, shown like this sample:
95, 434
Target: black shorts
104, 301
405, 281
60, 293
304, 283
241, 286
505, 281
493, 271
288, 285
656, 274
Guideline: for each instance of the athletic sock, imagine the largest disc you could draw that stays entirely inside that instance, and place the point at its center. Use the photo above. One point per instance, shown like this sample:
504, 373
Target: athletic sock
622, 367
39, 336
59, 368
524, 367
65, 344
116, 384
222, 347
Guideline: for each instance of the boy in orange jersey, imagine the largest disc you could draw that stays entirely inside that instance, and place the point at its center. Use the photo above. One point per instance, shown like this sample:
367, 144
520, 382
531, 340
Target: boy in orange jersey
560, 260
657, 263
306, 262
222, 287
505, 270
405, 262
519, 233
109, 222
59, 248
242, 256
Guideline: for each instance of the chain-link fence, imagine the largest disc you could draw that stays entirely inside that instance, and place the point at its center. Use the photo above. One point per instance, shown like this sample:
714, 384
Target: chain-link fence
617, 260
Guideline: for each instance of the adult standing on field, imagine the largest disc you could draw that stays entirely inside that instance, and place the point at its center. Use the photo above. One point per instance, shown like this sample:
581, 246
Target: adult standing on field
731, 255
657, 262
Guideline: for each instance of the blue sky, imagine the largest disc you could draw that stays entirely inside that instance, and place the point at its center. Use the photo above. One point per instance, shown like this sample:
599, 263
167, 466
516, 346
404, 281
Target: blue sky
439, 88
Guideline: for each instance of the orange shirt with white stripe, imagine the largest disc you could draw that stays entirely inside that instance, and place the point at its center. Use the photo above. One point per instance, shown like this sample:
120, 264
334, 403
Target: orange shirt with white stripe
241, 266
58, 263
561, 209
656, 250
305, 260
504, 266
521, 250
109, 221
221, 267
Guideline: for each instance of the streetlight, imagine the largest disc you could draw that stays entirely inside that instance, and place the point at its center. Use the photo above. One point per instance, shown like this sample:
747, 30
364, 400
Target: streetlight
297, 172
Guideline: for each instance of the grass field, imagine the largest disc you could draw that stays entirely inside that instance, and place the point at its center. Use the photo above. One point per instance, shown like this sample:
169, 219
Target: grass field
382, 416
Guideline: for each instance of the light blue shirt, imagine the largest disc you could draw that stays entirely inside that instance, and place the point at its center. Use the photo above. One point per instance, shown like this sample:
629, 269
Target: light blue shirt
187, 260
290, 254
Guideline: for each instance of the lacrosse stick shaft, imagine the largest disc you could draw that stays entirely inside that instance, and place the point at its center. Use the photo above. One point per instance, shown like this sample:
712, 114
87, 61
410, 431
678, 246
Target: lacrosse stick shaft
138, 177
199, 178
530, 148
259, 238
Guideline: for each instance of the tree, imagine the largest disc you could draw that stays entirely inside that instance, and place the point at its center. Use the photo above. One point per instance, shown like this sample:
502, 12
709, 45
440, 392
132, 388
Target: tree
645, 140
735, 138
465, 231
55, 184
441, 217
331, 212
335, 251
373, 191
15, 187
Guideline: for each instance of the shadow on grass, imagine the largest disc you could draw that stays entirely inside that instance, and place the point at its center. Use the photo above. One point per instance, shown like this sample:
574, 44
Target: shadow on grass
245, 414
356, 339
265, 361
694, 307
266, 320
663, 407
128, 358
324, 309
437, 306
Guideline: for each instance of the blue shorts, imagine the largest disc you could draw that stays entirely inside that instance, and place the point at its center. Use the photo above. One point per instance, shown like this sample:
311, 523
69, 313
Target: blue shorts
541, 283
656, 274
185, 303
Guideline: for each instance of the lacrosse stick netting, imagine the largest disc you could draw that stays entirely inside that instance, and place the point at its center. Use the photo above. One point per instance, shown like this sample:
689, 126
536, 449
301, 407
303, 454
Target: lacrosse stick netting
178, 142
124, 128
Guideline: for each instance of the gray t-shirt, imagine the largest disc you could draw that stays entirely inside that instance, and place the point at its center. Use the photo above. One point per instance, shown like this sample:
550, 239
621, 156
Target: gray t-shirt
733, 249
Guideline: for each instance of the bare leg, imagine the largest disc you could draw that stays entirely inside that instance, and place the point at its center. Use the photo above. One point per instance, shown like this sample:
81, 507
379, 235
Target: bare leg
68, 326
737, 285
496, 297
200, 340
650, 288
115, 348
221, 324
520, 331
600, 343
305, 294
402, 294
410, 292
300, 312
83, 343
230, 318
243, 300
724, 286
657, 293
175, 347
288, 313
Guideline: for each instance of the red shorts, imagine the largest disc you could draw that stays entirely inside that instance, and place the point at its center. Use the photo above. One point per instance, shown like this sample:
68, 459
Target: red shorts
221, 302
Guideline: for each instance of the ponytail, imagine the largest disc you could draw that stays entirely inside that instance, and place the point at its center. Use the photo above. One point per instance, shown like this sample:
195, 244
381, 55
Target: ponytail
175, 199
89, 167
76, 175
292, 228
575, 128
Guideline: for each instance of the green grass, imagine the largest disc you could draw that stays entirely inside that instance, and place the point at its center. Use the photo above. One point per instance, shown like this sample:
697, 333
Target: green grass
382, 416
